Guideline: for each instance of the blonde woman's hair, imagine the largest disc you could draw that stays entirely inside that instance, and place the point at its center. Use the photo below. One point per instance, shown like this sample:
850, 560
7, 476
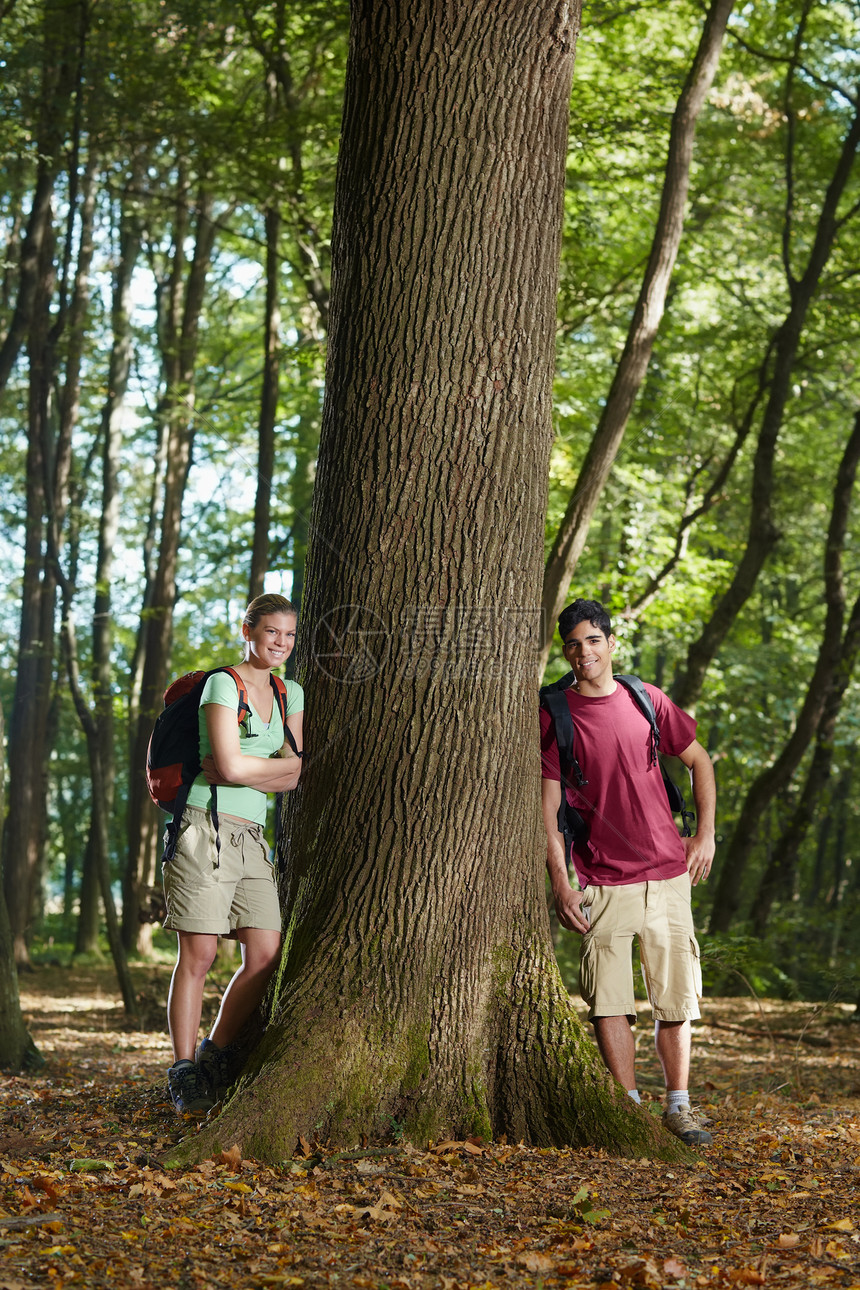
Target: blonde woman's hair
260, 606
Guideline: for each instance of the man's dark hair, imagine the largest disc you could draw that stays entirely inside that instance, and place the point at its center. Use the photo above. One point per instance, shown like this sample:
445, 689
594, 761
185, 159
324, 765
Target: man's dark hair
584, 611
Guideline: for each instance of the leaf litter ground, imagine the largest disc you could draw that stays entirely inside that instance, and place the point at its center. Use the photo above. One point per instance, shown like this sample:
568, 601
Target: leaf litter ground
85, 1201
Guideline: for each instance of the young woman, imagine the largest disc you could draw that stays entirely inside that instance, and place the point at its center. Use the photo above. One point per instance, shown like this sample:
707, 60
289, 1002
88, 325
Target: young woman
227, 886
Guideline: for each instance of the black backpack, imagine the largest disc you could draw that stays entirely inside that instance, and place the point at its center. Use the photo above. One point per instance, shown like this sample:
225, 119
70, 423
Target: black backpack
571, 825
173, 755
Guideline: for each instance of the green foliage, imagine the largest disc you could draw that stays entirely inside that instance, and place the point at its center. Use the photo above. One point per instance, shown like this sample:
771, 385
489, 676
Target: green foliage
742, 965
244, 102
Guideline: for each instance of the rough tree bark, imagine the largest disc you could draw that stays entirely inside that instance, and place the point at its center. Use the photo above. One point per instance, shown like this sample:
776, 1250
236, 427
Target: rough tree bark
833, 656
418, 984
633, 364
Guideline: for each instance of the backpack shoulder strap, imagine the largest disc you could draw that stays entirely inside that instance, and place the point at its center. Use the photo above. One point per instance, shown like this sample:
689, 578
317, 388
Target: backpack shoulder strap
281, 699
553, 698
636, 688
280, 695
563, 683
243, 707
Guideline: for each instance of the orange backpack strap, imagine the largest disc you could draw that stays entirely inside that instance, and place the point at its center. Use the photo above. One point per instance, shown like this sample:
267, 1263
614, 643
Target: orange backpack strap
281, 697
244, 708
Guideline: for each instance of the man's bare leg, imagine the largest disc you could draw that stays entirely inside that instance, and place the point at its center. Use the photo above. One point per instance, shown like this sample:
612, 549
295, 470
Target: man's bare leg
673, 1040
616, 1044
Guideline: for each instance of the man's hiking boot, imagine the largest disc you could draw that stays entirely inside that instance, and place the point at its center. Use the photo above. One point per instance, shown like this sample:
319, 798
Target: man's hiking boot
189, 1089
220, 1067
685, 1126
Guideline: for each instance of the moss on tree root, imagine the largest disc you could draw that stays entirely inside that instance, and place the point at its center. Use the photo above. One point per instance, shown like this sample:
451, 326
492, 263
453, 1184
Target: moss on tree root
531, 1074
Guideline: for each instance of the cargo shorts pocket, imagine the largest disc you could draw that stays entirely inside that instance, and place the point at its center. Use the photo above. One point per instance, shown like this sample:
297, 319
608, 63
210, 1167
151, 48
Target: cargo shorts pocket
587, 970
696, 966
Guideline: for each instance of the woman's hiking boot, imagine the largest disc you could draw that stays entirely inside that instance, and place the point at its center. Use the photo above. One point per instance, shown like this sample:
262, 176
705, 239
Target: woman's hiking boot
189, 1089
220, 1067
685, 1126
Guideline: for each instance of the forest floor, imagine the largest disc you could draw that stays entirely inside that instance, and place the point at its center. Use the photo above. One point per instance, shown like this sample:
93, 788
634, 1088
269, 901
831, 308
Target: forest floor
85, 1201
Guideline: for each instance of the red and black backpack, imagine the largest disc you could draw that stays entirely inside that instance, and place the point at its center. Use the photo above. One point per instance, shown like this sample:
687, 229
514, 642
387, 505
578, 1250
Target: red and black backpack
173, 756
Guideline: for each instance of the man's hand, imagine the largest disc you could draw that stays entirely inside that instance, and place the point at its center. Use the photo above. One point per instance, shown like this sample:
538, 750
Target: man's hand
700, 857
568, 906
700, 849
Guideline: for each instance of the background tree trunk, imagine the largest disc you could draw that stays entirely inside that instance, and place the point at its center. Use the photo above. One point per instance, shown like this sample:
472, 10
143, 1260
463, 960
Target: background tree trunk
179, 349
822, 690
778, 364
419, 987
633, 364
29, 739
268, 409
17, 1050
64, 21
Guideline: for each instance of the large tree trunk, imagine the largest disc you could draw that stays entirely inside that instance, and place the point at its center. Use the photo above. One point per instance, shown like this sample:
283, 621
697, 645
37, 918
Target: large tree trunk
419, 983
633, 364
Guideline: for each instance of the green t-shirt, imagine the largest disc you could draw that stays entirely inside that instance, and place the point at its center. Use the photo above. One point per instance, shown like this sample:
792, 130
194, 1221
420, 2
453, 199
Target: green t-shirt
256, 739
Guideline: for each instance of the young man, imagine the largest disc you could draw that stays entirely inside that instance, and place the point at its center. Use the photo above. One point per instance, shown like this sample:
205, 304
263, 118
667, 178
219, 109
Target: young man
635, 872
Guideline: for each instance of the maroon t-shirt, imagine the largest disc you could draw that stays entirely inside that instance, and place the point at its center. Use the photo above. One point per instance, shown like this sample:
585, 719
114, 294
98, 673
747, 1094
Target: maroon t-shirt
633, 836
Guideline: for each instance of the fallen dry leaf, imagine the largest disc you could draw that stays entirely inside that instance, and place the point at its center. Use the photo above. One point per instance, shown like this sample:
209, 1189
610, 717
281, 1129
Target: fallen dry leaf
746, 1277
781, 1175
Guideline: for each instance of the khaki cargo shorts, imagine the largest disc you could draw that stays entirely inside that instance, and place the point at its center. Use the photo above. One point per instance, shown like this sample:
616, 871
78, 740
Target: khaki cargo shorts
219, 893
659, 914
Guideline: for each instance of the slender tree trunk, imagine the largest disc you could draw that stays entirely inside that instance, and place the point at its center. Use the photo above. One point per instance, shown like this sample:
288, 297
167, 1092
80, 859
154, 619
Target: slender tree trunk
89, 907
129, 239
179, 349
268, 409
763, 533
301, 501
47, 478
100, 826
287, 102
822, 694
633, 364
777, 881
64, 20
17, 1050
24, 831
419, 982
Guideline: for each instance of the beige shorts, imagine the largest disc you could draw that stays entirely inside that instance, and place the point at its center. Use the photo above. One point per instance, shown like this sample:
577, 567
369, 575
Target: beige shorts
219, 893
659, 914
